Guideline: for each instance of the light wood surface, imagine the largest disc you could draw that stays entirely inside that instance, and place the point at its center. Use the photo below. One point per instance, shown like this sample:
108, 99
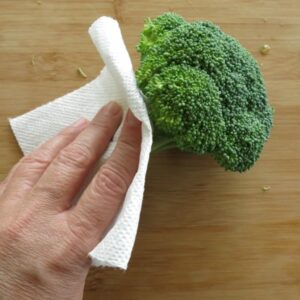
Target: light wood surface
204, 233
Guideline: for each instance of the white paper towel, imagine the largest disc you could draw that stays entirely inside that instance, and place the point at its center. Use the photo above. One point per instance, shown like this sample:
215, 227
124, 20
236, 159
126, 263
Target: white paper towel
116, 82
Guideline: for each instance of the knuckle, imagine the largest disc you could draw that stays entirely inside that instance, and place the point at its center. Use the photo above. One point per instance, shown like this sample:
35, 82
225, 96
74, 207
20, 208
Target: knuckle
50, 192
103, 125
10, 233
4, 233
38, 158
64, 135
112, 181
66, 260
69, 253
13, 230
76, 155
128, 146
66, 132
79, 227
57, 262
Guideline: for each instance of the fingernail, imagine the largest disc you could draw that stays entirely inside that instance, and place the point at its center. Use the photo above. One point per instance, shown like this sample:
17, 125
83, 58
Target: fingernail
131, 119
112, 108
80, 123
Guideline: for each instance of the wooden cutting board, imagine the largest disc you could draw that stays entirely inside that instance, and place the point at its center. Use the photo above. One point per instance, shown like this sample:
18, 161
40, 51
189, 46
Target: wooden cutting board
204, 233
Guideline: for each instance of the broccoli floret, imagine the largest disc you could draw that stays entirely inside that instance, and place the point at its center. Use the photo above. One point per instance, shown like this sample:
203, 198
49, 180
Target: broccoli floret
204, 91
155, 30
197, 124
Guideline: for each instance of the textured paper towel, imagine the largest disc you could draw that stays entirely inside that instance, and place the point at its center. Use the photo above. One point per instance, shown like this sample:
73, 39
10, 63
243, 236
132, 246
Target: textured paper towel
116, 82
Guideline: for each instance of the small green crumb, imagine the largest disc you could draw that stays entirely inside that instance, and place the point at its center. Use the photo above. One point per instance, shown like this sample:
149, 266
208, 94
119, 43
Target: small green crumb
266, 188
265, 49
81, 72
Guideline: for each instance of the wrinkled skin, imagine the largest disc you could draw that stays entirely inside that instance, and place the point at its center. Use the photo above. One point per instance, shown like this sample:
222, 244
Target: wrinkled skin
44, 237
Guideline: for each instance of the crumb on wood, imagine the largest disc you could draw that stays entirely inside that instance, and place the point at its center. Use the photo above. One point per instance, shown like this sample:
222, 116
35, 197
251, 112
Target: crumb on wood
33, 61
81, 72
39, 2
266, 188
265, 49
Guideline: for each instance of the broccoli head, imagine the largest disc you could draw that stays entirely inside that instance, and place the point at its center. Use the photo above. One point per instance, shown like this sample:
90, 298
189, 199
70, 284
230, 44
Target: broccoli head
203, 90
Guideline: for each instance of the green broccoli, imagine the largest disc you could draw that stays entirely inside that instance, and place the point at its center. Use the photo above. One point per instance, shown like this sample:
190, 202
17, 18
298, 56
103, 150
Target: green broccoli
203, 90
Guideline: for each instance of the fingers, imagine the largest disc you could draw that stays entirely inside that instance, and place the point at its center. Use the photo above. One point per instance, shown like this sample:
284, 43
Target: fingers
103, 197
30, 168
66, 174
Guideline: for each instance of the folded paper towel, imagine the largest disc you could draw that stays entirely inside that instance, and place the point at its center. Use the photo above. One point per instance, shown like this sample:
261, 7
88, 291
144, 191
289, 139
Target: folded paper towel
115, 82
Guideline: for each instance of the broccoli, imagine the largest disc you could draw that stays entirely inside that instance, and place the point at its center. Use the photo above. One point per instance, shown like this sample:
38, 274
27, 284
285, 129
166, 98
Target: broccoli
203, 90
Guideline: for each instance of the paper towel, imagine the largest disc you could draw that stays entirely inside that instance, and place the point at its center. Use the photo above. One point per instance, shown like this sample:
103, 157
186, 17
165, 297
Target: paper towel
115, 82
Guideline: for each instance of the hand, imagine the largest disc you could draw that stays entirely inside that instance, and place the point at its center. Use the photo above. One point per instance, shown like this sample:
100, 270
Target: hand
44, 237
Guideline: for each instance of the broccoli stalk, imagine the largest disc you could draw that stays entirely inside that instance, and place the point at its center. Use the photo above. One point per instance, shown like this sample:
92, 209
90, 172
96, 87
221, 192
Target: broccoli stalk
203, 90
163, 143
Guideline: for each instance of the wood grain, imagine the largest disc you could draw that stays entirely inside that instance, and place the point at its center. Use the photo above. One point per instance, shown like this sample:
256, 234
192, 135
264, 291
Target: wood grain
204, 233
